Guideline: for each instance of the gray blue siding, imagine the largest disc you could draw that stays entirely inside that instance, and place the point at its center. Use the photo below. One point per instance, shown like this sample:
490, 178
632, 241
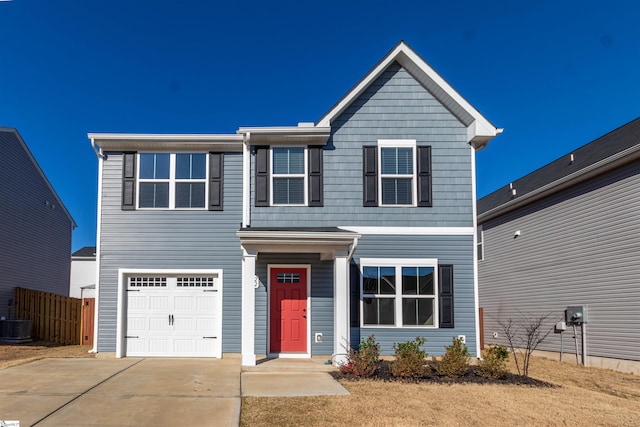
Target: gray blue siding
35, 231
170, 239
395, 106
455, 250
579, 246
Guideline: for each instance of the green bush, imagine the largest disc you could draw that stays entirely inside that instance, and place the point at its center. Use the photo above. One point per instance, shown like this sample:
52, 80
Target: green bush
455, 361
364, 361
410, 361
494, 362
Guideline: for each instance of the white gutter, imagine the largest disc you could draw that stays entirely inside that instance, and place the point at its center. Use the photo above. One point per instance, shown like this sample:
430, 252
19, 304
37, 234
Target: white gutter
353, 249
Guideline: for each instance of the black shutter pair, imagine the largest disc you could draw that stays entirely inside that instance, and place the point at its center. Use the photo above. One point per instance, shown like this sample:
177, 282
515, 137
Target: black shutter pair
263, 178
370, 176
216, 181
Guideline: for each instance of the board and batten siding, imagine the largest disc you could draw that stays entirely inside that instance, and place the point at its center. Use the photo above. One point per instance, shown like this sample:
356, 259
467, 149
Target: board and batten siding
35, 231
321, 310
395, 106
170, 239
577, 247
455, 250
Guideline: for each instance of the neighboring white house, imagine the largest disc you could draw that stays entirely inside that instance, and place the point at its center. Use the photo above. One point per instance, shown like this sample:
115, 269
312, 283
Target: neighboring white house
83, 273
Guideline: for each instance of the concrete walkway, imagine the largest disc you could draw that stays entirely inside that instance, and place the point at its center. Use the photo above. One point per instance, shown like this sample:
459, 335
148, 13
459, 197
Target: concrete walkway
150, 392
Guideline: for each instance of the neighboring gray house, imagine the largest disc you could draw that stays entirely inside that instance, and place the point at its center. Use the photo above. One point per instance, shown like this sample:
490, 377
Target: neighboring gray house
296, 241
35, 226
83, 273
578, 243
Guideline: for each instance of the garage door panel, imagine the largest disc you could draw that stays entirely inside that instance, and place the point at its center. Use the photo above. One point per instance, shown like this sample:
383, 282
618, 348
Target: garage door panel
173, 320
158, 302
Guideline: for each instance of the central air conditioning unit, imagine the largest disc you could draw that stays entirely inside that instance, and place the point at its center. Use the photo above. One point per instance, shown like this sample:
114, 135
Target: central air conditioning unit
15, 330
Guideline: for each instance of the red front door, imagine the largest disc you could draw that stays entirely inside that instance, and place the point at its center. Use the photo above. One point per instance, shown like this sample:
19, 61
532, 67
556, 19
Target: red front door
288, 310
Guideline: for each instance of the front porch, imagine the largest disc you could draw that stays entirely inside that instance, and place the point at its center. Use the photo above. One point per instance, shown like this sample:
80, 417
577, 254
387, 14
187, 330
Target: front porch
295, 293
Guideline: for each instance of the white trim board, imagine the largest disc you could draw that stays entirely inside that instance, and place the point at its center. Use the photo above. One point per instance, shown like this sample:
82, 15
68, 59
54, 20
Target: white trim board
411, 231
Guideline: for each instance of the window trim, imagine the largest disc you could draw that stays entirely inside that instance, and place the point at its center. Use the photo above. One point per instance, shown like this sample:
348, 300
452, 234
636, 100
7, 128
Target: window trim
398, 264
172, 180
398, 143
304, 176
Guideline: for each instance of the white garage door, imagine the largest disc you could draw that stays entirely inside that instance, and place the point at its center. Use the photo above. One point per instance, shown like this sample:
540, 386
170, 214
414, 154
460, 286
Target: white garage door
173, 316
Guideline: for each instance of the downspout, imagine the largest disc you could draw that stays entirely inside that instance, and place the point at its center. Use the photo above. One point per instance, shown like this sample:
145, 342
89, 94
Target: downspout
101, 156
246, 181
353, 249
97, 149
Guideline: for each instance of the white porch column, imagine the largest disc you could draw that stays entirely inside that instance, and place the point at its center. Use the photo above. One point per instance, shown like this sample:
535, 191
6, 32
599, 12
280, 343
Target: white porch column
341, 323
248, 308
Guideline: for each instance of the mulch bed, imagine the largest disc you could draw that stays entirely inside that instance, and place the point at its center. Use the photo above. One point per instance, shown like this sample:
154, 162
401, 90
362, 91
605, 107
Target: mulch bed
383, 373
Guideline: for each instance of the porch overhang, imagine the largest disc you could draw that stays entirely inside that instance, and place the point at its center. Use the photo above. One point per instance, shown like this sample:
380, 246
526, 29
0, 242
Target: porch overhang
328, 242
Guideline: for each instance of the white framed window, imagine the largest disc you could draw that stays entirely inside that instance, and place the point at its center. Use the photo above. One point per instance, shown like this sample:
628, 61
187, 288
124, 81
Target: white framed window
289, 176
397, 184
172, 180
399, 293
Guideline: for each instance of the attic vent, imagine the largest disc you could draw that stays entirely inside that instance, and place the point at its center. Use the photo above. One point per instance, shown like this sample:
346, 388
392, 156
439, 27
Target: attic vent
571, 159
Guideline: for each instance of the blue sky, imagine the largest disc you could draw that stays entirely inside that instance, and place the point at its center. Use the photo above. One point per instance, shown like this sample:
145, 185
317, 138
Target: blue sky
554, 74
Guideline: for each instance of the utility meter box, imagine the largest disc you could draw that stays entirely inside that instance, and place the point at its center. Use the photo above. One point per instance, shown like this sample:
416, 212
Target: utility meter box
576, 314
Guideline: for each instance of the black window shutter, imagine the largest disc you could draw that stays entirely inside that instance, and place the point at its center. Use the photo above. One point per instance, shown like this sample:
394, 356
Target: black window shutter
128, 181
445, 275
370, 175
262, 176
315, 176
216, 181
424, 176
354, 283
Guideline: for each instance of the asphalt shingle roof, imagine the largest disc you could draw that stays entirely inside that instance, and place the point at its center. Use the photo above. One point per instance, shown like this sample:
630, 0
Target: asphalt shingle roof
614, 142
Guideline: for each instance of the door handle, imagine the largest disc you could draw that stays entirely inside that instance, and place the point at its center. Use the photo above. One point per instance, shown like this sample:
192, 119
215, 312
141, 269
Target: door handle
172, 319
169, 319
304, 316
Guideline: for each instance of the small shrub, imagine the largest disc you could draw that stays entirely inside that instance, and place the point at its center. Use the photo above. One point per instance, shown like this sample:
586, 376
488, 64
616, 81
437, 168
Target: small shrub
455, 361
364, 361
410, 361
494, 362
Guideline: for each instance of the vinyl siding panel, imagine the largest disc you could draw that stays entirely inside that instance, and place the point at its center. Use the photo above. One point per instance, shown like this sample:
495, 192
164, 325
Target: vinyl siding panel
455, 250
170, 239
321, 311
35, 237
577, 247
396, 106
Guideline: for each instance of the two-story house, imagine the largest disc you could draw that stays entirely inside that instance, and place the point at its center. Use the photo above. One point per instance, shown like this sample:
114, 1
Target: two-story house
296, 241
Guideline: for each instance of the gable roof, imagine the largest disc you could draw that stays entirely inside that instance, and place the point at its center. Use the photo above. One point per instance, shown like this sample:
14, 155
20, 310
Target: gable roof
86, 252
619, 146
16, 135
479, 129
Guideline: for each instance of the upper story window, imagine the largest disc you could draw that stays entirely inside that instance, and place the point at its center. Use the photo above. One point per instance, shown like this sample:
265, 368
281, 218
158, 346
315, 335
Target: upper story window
289, 176
172, 180
397, 172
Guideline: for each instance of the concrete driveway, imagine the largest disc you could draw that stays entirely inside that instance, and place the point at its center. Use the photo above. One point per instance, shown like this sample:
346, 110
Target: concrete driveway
122, 392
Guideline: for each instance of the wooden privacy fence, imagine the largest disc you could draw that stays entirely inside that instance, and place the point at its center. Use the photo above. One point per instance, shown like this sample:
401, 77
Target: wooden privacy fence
54, 317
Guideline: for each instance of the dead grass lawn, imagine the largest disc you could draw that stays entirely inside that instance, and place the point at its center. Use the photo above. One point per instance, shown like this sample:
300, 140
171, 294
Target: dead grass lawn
593, 396
17, 354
